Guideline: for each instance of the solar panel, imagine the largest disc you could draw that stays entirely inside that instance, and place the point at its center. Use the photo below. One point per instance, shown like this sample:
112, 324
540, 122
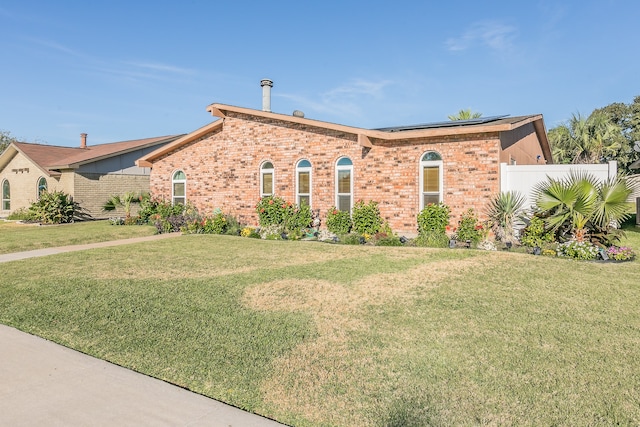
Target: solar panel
450, 123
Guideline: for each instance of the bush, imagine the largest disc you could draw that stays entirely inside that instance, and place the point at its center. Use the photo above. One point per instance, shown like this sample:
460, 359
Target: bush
288, 217
366, 218
338, 222
469, 229
54, 208
434, 218
384, 239
432, 240
535, 234
22, 214
216, 224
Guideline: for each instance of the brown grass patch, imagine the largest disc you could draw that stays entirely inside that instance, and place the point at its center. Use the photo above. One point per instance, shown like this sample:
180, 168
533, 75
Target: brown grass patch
305, 381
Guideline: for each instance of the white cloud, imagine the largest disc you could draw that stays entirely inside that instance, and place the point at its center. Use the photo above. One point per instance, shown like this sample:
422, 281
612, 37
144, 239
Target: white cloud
158, 67
494, 35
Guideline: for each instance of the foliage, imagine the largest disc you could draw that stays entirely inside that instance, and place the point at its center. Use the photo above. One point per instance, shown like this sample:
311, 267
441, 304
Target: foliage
578, 250
338, 222
535, 234
434, 219
275, 211
22, 214
469, 228
503, 212
6, 139
580, 207
465, 114
627, 117
366, 218
350, 239
54, 207
432, 240
125, 201
386, 239
621, 253
249, 232
152, 209
594, 139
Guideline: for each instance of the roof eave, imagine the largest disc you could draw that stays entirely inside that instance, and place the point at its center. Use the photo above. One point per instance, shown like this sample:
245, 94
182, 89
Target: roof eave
147, 160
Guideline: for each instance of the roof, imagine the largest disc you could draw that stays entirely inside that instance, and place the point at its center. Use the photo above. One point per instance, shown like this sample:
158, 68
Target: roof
365, 136
52, 158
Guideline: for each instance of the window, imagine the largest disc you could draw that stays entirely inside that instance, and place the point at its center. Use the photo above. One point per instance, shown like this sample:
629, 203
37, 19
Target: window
430, 179
344, 184
6, 195
179, 188
266, 179
42, 186
303, 183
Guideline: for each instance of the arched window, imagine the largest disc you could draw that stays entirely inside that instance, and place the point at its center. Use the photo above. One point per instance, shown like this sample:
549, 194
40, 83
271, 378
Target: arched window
179, 188
430, 179
42, 186
344, 184
303, 183
6, 195
266, 179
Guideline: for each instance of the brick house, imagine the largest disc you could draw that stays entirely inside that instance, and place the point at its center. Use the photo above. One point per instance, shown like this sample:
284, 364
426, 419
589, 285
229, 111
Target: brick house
90, 174
246, 154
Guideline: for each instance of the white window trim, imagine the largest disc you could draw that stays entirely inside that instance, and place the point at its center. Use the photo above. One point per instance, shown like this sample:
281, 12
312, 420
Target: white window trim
304, 169
431, 163
337, 184
46, 186
174, 181
2, 198
263, 171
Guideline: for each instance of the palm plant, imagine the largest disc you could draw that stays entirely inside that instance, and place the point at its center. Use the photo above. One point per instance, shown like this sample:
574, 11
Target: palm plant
503, 212
465, 115
125, 201
579, 207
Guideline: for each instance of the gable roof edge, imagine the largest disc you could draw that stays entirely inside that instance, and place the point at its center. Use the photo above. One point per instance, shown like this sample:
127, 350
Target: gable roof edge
147, 160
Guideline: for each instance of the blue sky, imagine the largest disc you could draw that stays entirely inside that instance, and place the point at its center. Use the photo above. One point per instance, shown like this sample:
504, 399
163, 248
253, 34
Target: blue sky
121, 70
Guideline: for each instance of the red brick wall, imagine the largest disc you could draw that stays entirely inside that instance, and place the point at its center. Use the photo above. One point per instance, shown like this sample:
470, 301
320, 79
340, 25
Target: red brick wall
222, 169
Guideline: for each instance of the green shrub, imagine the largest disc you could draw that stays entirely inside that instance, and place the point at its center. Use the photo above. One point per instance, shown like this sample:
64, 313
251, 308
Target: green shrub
22, 214
469, 229
384, 239
350, 239
366, 218
215, 224
54, 208
434, 218
535, 234
432, 240
275, 211
338, 222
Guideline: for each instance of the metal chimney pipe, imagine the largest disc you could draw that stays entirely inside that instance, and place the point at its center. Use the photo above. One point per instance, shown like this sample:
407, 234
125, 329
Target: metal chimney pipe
266, 94
83, 140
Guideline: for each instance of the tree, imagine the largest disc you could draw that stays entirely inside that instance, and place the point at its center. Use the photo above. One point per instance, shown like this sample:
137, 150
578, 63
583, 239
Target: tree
595, 139
627, 117
5, 140
465, 115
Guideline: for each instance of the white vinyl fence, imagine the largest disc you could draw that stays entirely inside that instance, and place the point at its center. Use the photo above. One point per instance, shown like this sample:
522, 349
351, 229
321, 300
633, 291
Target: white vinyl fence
523, 178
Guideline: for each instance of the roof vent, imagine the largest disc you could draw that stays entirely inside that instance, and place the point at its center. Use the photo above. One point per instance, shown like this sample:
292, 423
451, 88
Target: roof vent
298, 113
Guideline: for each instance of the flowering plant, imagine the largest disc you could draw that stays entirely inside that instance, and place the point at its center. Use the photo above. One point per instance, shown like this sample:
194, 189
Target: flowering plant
469, 229
578, 250
338, 222
620, 253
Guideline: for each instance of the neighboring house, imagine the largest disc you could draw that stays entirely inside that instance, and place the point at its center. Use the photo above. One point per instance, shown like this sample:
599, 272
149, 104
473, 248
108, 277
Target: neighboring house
247, 154
90, 174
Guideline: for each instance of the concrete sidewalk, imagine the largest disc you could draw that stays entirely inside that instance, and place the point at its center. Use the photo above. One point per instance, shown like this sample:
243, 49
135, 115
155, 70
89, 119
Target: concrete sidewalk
45, 384
61, 249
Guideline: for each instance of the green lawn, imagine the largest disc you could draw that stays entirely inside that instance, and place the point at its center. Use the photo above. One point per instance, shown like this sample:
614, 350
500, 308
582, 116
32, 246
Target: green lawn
316, 334
15, 237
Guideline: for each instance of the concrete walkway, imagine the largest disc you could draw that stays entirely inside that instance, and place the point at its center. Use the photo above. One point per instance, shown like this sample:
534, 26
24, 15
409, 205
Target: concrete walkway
46, 384
61, 249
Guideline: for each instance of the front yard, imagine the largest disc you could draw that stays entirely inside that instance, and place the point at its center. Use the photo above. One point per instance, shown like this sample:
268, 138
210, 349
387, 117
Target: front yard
315, 334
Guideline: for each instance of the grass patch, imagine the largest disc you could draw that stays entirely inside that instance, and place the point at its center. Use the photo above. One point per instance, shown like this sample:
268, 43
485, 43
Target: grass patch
15, 237
317, 334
